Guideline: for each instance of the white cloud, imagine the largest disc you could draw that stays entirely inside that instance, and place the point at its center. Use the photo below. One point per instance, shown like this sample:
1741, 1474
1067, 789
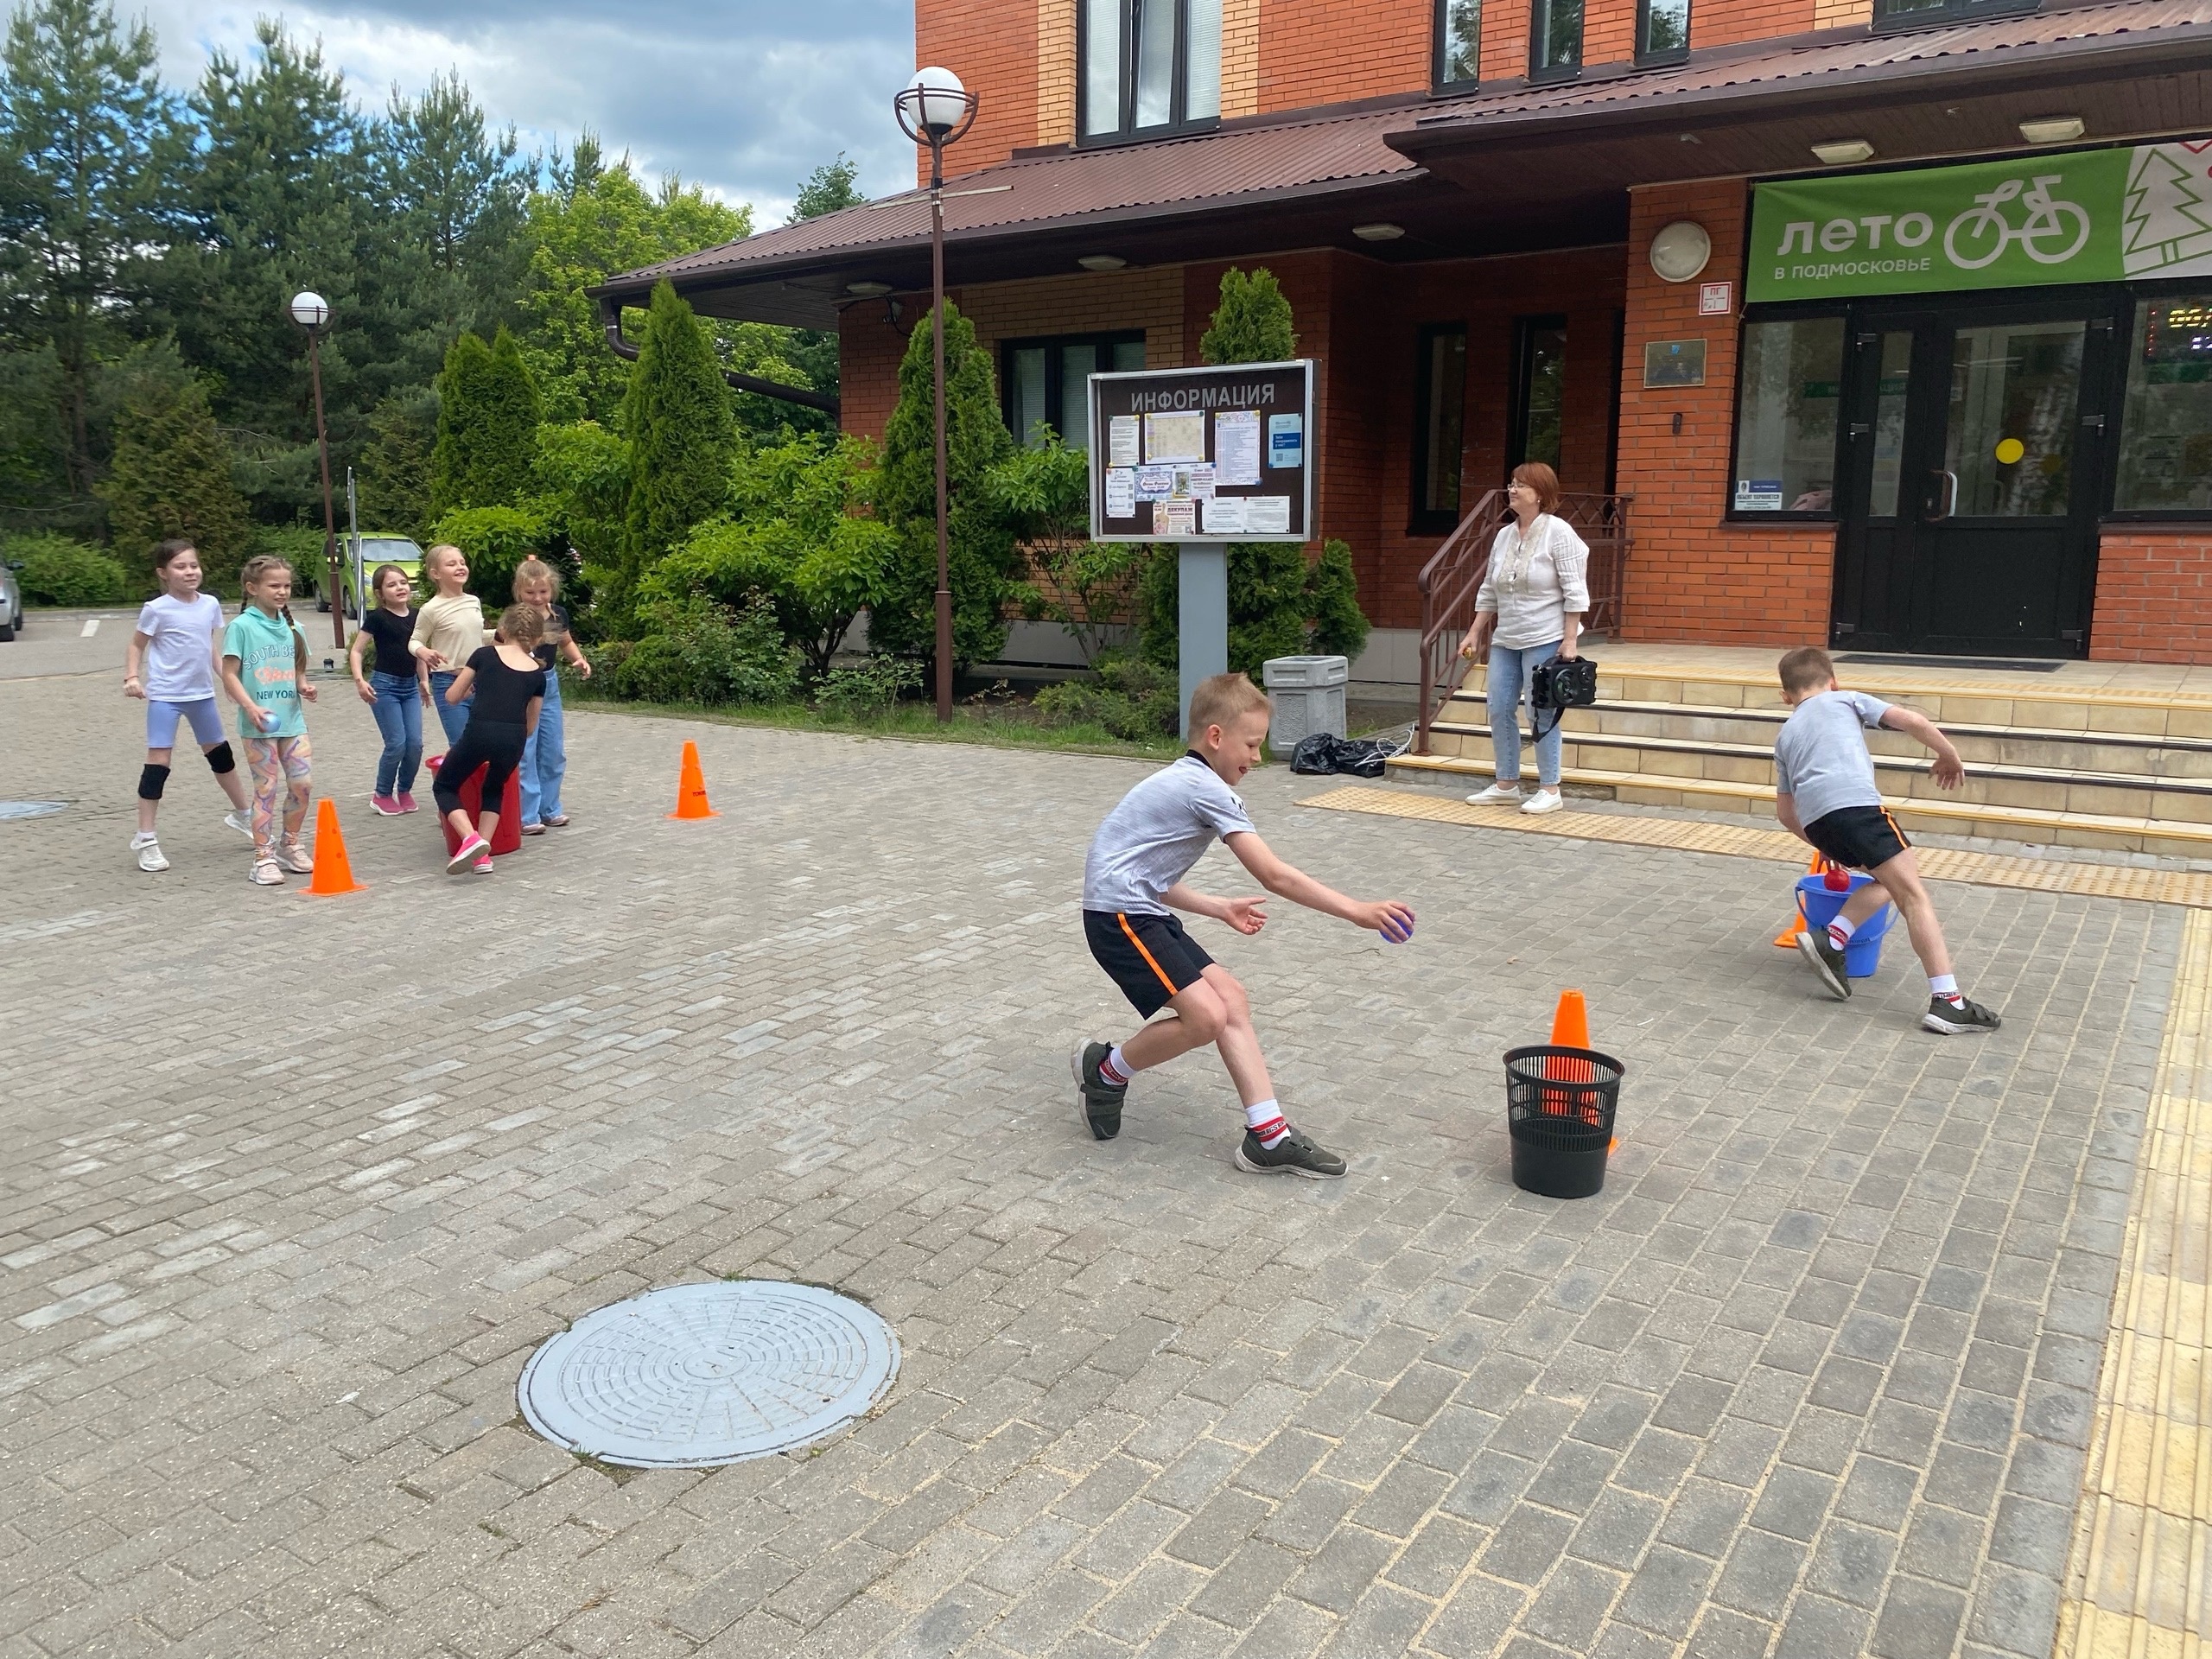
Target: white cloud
746, 103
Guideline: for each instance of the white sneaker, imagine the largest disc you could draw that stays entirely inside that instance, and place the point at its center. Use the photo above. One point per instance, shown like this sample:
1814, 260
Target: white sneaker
1544, 800
241, 823
295, 857
266, 873
1496, 795
150, 853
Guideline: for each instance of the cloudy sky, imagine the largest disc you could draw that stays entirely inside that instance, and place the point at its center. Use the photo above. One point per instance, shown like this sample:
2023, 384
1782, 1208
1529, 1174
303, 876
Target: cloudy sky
745, 96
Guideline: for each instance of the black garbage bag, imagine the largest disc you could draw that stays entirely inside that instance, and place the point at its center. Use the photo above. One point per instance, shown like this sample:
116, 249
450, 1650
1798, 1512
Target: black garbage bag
1324, 753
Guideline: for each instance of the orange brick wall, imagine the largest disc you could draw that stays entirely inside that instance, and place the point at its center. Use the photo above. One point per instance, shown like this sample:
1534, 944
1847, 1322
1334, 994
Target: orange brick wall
1324, 52
2154, 597
992, 46
1747, 20
1692, 576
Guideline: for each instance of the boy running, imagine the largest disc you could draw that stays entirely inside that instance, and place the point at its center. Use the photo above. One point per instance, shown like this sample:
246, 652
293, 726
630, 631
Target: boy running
1134, 876
1824, 780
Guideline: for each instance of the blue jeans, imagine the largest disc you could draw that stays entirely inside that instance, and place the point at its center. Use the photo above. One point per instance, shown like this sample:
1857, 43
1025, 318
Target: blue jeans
453, 718
1505, 690
398, 709
544, 758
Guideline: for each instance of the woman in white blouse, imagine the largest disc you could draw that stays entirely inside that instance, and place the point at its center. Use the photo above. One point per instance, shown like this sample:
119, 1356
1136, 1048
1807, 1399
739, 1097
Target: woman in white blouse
1528, 610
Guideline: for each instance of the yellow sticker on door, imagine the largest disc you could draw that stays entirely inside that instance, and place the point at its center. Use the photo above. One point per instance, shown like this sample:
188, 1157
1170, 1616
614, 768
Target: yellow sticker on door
2009, 450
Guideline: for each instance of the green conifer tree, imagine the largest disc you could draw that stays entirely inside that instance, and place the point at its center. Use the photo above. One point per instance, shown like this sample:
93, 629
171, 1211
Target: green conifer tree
1253, 322
676, 417
171, 476
983, 558
487, 426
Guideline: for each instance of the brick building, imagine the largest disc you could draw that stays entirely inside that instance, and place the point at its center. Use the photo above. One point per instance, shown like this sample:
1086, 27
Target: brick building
1891, 319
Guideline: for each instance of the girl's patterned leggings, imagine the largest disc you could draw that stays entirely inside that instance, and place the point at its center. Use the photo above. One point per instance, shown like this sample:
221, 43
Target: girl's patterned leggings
278, 764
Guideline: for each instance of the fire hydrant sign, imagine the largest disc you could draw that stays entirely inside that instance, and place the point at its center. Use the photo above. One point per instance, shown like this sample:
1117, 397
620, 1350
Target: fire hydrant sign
1209, 454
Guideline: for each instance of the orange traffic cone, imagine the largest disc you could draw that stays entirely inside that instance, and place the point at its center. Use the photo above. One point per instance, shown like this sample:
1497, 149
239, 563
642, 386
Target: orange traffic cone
1571, 1025
333, 871
691, 788
1787, 939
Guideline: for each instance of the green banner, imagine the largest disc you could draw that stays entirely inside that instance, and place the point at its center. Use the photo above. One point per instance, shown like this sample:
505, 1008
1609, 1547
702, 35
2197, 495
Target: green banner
2068, 216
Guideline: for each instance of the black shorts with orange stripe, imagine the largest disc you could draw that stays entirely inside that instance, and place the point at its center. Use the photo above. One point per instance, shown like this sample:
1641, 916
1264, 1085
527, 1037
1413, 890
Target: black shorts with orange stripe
1858, 837
1150, 958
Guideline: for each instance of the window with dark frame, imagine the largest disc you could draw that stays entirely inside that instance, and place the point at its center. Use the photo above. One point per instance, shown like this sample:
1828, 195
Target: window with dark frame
1788, 389
1663, 31
1539, 386
1906, 14
1045, 383
1439, 427
1147, 66
1458, 43
1554, 40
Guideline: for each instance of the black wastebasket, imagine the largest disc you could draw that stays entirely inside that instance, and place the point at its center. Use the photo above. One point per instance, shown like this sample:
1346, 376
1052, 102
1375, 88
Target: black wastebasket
1559, 1113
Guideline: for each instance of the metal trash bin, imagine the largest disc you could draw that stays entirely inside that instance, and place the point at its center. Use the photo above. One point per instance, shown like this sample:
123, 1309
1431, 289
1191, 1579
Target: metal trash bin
1309, 697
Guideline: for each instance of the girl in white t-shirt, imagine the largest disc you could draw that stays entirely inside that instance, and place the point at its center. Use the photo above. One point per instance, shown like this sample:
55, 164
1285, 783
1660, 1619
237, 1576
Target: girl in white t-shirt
173, 664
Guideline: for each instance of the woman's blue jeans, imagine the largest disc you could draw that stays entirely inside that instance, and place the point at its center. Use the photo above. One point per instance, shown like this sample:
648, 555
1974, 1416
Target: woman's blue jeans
1505, 690
545, 758
453, 718
398, 709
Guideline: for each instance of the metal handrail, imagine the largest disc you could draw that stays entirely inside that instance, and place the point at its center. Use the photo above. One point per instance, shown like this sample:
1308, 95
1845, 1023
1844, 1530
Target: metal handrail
1453, 576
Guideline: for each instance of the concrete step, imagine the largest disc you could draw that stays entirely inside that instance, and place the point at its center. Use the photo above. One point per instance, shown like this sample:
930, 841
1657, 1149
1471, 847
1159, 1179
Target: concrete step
2045, 749
1947, 815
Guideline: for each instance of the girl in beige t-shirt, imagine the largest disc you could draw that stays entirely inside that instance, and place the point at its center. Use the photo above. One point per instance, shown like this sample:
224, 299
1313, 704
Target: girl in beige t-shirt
449, 630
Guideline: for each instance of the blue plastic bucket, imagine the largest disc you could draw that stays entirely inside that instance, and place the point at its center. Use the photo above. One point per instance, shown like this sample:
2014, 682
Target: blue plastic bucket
1817, 903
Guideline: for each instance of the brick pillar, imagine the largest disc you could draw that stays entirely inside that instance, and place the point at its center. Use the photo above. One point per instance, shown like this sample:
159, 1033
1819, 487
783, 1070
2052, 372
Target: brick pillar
1692, 576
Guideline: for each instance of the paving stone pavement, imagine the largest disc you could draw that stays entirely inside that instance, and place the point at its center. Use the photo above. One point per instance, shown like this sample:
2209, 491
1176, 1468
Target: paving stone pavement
296, 1185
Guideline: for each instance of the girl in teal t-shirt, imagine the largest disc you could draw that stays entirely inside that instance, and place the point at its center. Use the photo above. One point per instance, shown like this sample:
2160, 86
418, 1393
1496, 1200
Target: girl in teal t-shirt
265, 672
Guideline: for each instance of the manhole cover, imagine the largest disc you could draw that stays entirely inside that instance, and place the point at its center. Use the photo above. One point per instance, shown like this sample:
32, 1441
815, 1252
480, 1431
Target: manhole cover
700, 1375
29, 809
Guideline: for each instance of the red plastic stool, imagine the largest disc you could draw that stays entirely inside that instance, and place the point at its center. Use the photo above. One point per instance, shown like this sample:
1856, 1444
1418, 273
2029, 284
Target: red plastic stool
508, 837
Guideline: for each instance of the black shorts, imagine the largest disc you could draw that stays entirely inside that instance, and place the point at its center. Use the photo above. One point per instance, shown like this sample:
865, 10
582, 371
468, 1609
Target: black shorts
1858, 837
1150, 958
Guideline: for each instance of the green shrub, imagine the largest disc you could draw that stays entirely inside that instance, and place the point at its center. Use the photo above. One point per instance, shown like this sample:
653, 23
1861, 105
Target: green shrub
706, 653
299, 545
1338, 626
1131, 698
496, 540
59, 571
868, 690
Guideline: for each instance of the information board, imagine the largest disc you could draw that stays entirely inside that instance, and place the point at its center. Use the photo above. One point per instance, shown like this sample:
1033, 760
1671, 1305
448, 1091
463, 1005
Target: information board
1207, 454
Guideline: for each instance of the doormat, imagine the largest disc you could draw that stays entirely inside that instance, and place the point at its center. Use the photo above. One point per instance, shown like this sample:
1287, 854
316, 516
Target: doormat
2007, 665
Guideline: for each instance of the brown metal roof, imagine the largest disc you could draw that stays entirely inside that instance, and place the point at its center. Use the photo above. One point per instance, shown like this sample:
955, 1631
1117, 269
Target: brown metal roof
1552, 163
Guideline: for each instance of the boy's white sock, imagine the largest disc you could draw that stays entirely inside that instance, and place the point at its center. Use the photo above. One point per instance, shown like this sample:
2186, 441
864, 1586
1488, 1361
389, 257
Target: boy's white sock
1116, 1070
1265, 1118
1945, 986
1841, 929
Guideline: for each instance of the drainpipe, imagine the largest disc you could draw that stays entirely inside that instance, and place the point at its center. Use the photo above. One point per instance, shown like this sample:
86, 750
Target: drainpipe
610, 317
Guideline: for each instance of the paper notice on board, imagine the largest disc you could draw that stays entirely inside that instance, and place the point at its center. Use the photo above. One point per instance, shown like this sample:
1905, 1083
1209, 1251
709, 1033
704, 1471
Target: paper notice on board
1120, 492
1156, 483
1266, 515
1237, 447
1193, 484
1122, 441
1174, 517
1286, 439
1176, 436
1224, 515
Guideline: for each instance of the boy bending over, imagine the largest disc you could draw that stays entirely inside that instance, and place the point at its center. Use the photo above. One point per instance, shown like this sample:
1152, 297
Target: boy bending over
1824, 780
1133, 878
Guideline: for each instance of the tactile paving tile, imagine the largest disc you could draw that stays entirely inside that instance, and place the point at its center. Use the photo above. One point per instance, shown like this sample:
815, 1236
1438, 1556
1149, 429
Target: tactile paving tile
696, 1376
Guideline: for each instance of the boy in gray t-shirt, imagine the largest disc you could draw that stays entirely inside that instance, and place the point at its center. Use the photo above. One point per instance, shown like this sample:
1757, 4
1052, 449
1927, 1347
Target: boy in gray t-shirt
1825, 793
1132, 884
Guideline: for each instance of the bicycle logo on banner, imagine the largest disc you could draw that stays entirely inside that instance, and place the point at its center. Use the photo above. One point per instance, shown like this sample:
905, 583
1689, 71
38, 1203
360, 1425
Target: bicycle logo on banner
1979, 236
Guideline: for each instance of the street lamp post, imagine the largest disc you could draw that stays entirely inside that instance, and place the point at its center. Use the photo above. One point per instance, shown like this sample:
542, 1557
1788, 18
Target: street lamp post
935, 109
312, 312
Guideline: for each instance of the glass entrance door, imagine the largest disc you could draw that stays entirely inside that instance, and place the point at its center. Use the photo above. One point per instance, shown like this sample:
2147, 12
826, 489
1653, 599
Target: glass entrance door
1971, 470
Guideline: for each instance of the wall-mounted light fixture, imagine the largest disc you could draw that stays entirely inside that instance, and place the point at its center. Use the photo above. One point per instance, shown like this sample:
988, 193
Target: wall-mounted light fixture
2052, 129
868, 290
1679, 251
1843, 152
1378, 232
1101, 260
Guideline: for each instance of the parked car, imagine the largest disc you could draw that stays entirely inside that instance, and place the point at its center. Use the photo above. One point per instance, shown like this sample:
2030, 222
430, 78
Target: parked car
376, 548
11, 601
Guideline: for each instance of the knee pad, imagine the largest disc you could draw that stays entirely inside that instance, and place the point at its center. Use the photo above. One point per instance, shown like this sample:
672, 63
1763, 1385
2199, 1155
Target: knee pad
220, 759
152, 781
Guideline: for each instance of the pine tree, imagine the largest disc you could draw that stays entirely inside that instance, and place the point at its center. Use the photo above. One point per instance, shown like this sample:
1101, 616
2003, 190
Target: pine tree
395, 469
676, 417
487, 426
171, 476
982, 558
1252, 324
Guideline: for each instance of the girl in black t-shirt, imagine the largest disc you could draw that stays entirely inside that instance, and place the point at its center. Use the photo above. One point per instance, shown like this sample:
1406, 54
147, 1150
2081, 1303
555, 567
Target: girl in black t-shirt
396, 690
508, 686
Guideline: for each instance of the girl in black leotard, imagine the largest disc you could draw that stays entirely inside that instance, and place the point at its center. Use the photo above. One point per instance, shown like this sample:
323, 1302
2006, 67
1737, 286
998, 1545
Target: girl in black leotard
508, 686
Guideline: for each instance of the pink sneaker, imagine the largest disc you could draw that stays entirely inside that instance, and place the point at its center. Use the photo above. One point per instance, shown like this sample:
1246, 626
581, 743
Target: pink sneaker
467, 853
483, 866
407, 803
385, 805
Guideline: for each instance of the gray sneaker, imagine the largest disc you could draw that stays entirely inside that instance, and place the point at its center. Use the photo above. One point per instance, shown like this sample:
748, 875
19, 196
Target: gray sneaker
1815, 945
1952, 1019
1099, 1102
1292, 1155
